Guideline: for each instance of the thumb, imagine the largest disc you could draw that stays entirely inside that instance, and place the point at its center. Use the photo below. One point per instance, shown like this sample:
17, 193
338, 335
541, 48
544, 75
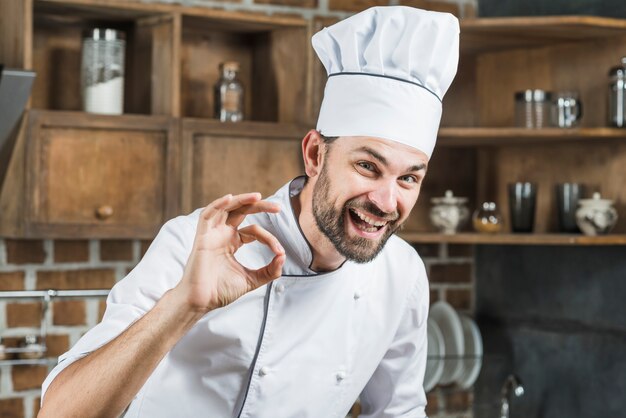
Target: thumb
268, 273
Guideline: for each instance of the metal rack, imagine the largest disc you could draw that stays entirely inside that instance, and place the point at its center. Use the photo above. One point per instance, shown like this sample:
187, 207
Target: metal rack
47, 296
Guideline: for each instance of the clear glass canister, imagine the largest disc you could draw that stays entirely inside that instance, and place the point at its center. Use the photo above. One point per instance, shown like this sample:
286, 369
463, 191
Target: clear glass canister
617, 95
229, 94
102, 71
532, 108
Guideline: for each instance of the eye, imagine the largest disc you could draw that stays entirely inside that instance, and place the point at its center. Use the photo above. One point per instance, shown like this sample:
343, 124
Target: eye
410, 179
367, 166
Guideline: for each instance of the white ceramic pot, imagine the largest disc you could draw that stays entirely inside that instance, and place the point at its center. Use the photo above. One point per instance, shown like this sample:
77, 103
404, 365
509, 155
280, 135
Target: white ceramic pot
596, 216
449, 212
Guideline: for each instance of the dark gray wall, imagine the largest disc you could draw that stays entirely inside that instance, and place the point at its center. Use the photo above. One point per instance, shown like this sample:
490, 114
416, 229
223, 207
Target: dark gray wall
610, 8
556, 317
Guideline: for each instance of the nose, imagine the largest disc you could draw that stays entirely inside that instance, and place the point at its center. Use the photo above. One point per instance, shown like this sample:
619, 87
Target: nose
385, 198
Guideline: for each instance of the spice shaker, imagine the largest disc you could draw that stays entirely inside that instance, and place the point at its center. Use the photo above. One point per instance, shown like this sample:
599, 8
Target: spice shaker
229, 94
617, 95
102, 71
532, 108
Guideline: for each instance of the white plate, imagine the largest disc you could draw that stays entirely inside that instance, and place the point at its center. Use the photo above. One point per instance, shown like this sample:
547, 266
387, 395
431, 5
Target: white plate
436, 350
452, 330
473, 353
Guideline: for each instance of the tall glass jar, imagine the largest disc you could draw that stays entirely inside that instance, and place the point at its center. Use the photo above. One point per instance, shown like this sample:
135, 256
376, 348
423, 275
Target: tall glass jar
102, 71
229, 94
617, 95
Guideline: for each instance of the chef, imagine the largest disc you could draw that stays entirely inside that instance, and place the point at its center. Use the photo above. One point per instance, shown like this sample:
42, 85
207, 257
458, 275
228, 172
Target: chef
297, 305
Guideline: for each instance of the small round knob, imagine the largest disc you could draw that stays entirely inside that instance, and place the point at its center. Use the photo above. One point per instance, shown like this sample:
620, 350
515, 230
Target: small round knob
104, 212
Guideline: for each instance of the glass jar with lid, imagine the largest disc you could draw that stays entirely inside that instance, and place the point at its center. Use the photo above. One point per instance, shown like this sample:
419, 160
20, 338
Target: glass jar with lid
102, 71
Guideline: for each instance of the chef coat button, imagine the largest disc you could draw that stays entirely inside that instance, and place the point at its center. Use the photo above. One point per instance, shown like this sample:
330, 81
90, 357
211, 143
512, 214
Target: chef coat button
264, 371
357, 295
341, 376
280, 288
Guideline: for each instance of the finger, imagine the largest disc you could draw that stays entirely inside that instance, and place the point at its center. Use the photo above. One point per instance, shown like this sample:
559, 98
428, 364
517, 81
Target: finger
236, 217
258, 233
268, 273
206, 220
218, 211
240, 200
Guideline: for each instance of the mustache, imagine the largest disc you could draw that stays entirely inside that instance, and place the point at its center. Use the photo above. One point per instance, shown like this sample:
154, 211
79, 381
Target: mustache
370, 207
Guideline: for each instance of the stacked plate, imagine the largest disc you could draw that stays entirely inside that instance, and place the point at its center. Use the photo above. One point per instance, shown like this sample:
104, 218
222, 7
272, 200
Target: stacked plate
454, 348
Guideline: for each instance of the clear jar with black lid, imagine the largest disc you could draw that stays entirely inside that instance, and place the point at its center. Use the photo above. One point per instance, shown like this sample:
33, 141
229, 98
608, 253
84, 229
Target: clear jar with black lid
617, 95
532, 109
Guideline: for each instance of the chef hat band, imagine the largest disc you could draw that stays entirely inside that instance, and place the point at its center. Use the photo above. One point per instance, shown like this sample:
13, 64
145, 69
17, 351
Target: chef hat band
389, 68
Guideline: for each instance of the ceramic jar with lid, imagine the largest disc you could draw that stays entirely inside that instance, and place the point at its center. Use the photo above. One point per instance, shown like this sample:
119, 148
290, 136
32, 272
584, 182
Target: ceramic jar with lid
449, 212
596, 216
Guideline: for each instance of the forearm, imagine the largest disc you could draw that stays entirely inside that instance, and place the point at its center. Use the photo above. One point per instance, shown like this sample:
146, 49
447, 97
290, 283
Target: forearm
105, 382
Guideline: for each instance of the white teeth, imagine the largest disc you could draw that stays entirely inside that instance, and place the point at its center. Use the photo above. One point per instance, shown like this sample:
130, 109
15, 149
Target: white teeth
369, 220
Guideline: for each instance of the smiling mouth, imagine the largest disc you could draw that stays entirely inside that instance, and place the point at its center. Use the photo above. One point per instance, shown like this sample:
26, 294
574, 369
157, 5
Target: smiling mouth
364, 222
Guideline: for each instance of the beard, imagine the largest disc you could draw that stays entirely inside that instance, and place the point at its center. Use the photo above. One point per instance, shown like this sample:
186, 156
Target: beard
331, 221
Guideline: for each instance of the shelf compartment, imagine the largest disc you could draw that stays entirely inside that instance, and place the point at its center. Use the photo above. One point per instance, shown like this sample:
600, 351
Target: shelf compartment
275, 89
472, 136
150, 80
512, 239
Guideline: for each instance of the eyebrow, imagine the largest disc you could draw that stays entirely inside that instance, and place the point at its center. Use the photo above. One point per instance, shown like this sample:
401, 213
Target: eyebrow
383, 160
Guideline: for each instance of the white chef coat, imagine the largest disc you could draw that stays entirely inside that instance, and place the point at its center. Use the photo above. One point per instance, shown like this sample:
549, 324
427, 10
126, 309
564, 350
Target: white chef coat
305, 345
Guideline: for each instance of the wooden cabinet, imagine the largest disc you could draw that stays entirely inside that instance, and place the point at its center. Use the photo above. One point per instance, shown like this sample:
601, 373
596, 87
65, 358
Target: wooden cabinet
73, 174
246, 157
99, 175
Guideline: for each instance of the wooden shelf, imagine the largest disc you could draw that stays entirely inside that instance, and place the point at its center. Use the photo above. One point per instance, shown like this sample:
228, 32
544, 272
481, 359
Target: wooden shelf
512, 239
472, 136
122, 9
492, 34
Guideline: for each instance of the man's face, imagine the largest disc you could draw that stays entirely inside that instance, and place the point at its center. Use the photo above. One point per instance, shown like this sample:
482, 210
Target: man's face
364, 192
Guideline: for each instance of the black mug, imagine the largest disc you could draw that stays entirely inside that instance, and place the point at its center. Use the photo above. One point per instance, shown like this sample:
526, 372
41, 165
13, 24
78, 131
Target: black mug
522, 199
567, 197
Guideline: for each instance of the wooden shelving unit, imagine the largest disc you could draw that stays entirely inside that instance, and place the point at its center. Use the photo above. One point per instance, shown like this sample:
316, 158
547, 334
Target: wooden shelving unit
73, 174
480, 151
512, 239
172, 57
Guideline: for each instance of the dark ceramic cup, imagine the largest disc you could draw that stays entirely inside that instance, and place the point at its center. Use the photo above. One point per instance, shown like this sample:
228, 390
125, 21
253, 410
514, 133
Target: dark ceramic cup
522, 202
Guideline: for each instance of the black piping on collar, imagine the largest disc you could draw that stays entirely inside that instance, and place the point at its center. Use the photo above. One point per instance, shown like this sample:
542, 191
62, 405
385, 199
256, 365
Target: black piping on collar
391, 77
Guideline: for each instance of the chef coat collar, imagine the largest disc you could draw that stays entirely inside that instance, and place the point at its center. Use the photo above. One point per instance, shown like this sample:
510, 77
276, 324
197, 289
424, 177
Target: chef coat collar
287, 229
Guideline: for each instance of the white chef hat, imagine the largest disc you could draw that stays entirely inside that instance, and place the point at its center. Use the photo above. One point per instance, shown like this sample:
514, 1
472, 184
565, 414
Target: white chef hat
388, 69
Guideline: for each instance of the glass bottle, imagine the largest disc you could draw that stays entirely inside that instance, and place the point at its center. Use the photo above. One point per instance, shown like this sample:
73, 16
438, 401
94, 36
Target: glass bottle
102, 71
229, 94
487, 219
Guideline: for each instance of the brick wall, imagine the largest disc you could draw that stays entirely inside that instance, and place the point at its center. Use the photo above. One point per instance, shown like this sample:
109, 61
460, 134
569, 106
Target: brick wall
61, 265
82, 264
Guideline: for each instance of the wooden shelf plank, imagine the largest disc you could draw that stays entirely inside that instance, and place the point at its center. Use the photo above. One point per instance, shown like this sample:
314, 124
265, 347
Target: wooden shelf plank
121, 9
512, 239
471, 136
487, 34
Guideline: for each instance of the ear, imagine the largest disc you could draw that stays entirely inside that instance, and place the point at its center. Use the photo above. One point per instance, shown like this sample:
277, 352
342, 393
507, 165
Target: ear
312, 153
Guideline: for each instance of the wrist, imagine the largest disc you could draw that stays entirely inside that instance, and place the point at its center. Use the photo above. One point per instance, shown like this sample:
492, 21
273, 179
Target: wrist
179, 301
